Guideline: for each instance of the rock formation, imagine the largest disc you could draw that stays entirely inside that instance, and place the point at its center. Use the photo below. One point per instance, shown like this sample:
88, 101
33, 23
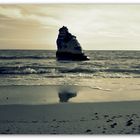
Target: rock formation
68, 48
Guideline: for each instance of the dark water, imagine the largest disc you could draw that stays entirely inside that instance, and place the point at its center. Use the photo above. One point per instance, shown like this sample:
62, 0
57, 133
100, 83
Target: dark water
31, 67
35, 77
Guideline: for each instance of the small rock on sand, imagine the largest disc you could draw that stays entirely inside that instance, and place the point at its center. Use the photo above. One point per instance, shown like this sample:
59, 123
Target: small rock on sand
129, 122
106, 116
88, 130
113, 125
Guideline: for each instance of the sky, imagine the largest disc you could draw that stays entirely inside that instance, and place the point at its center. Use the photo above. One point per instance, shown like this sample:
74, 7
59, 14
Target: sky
96, 26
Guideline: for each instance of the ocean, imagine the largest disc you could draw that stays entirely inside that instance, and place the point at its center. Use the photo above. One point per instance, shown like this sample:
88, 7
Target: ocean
36, 77
40, 67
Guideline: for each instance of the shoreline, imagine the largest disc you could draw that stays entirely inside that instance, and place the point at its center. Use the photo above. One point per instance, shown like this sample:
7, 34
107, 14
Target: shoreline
85, 90
70, 103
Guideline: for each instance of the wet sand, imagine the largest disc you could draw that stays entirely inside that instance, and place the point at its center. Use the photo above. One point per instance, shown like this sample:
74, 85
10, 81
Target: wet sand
71, 118
86, 90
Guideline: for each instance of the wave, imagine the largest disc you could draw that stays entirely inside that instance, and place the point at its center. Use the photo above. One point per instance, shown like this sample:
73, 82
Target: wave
27, 57
110, 70
22, 70
64, 70
136, 71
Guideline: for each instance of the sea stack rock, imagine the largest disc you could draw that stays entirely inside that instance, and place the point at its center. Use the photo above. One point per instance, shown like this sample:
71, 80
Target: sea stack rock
68, 48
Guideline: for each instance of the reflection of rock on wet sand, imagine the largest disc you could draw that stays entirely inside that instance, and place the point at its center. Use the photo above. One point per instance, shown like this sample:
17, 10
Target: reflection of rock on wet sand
66, 94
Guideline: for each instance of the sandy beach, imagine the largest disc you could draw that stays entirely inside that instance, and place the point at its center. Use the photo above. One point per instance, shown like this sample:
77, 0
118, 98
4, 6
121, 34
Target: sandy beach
111, 106
81, 118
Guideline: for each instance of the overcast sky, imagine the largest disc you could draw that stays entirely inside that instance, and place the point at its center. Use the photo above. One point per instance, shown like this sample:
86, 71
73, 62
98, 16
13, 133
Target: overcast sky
97, 26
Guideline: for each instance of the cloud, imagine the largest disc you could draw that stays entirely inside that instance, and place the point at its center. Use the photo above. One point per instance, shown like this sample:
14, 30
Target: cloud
10, 12
20, 13
92, 24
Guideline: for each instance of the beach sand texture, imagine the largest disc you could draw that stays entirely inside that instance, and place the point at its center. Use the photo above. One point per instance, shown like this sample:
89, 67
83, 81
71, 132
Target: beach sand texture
81, 118
79, 115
